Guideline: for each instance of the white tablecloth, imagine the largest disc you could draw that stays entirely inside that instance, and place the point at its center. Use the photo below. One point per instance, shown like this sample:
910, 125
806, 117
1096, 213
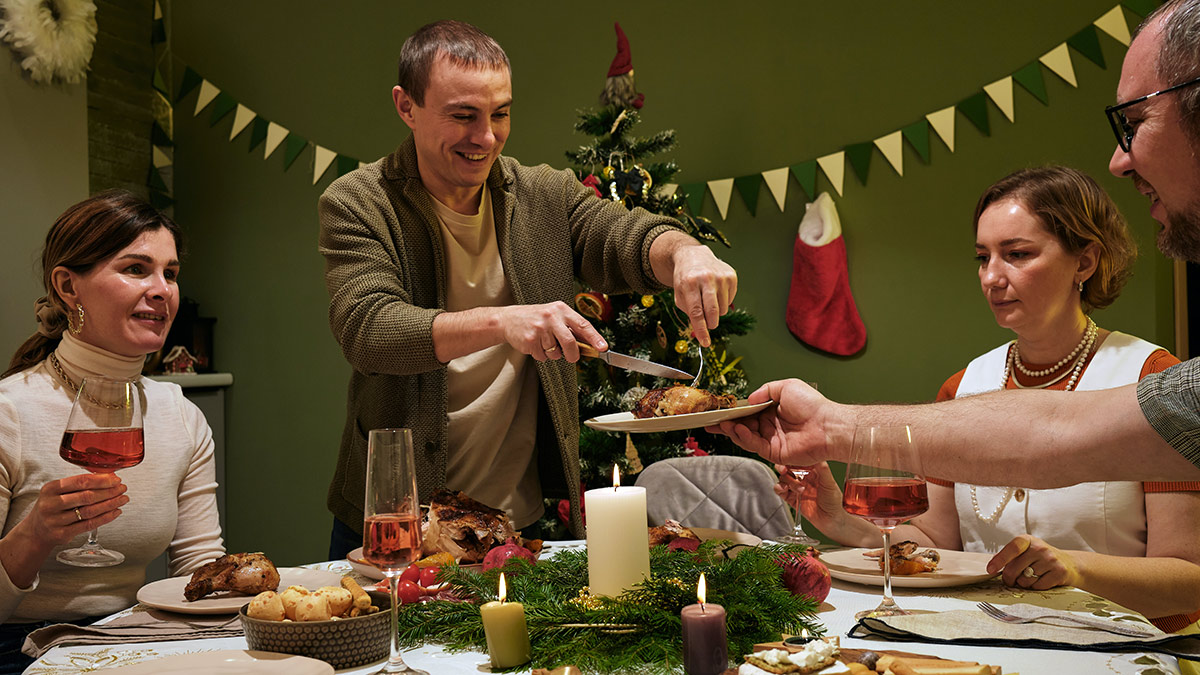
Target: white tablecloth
837, 613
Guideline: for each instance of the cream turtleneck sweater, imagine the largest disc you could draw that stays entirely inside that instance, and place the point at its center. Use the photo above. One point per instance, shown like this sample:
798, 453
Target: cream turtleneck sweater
172, 493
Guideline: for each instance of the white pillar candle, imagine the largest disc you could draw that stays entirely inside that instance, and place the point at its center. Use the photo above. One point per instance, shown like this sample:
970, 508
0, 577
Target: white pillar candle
618, 541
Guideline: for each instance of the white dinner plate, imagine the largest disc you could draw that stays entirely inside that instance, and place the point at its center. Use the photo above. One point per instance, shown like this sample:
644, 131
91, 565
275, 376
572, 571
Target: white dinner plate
360, 565
168, 593
625, 421
227, 662
957, 568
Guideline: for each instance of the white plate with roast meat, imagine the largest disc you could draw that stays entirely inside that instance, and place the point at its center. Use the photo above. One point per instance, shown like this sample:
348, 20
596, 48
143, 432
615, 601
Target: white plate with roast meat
626, 421
168, 593
955, 568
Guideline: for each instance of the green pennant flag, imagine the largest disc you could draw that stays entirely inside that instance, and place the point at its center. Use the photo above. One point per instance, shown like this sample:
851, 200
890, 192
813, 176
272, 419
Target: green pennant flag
917, 135
1030, 77
806, 175
975, 109
747, 187
222, 105
160, 200
158, 33
191, 80
155, 180
859, 156
1141, 7
161, 84
1086, 42
159, 137
694, 195
258, 132
345, 165
294, 144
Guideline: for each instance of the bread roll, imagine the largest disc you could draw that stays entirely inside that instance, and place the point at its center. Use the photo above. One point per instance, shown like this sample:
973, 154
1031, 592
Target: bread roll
339, 599
312, 607
267, 605
290, 597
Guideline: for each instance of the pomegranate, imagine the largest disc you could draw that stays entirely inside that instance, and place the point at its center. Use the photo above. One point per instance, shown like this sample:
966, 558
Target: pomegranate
805, 574
683, 544
499, 555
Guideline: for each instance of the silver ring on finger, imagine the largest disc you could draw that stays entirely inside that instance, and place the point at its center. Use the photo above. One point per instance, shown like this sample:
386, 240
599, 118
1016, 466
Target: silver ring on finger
1028, 573
78, 515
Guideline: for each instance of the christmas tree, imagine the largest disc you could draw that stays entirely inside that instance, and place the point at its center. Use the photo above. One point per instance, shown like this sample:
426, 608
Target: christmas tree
618, 166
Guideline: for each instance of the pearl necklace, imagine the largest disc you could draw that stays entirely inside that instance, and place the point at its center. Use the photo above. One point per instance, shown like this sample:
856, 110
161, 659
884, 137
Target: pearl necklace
1014, 359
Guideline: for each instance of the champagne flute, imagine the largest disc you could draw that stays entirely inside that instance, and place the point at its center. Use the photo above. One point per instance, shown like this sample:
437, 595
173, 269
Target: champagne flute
884, 497
104, 433
392, 520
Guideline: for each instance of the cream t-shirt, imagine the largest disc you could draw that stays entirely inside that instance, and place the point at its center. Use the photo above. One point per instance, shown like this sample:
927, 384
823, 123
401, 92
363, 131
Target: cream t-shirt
493, 393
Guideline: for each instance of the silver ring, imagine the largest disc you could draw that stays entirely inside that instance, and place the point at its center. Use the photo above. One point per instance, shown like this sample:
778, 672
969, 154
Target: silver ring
78, 515
1029, 573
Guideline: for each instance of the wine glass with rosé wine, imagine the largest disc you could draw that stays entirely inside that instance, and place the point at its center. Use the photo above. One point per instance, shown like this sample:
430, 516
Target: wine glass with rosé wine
884, 497
392, 520
104, 433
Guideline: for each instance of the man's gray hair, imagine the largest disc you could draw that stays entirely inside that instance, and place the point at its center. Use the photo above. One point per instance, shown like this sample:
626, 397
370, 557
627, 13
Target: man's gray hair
1179, 56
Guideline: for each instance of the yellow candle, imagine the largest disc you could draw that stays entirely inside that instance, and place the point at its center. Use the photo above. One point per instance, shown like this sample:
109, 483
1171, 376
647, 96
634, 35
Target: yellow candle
618, 542
506, 631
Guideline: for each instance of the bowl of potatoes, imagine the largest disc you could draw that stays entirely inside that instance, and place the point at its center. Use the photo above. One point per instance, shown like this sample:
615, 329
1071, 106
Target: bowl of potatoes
343, 626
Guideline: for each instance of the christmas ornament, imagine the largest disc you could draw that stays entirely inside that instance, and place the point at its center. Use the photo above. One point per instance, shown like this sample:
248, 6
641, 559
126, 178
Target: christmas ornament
633, 184
594, 183
682, 347
661, 335
594, 305
647, 301
631, 455
619, 90
820, 309
54, 40
691, 447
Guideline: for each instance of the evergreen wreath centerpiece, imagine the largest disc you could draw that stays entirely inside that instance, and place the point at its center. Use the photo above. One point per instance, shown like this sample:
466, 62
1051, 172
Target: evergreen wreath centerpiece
638, 632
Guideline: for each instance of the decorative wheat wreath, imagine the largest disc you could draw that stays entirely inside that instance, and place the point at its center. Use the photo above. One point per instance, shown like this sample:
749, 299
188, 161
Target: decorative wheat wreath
53, 37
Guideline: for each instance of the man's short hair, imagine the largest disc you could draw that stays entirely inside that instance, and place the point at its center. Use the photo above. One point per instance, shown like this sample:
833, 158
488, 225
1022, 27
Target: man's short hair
460, 43
1179, 56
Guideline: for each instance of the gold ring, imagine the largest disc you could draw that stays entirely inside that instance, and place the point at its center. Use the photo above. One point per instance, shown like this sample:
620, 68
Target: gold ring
551, 349
1029, 573
78, 515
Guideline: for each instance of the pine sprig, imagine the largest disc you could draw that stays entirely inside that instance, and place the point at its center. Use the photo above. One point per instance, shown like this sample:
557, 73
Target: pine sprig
640, 632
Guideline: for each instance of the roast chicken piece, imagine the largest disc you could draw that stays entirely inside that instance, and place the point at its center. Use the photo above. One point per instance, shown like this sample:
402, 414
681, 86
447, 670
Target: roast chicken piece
680, 400
463, 527
906, 559
248, 573
669, 532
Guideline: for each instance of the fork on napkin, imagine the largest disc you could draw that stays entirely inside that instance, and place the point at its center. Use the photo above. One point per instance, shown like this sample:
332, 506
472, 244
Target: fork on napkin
1025, 613
140, 626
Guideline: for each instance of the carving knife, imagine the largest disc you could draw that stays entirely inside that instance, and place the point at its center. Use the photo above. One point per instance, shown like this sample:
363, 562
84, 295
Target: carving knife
630, 363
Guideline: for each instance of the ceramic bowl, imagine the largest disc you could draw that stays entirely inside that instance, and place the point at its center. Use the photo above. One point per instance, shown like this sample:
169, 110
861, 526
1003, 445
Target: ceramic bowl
342, 643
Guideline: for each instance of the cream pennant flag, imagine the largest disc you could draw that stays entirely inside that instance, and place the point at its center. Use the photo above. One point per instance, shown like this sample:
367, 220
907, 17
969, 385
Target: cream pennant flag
275, 136
1059, 60
208, 92
834, 166
892, 147
777, 181
322, 158
721, 191
242, 117
669, 189
1113, 23
1001, 93
942, 122
157, 10
160, 158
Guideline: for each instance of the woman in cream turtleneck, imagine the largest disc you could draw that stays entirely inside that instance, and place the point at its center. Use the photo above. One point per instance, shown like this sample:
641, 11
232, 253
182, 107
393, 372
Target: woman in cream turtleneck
110, 265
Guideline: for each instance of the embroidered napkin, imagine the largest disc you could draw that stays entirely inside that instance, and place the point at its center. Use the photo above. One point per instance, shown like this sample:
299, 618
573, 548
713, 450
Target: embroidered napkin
151, 625
975, 627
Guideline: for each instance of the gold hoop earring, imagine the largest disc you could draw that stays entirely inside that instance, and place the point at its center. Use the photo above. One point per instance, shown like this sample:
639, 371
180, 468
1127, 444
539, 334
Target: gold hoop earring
76, 330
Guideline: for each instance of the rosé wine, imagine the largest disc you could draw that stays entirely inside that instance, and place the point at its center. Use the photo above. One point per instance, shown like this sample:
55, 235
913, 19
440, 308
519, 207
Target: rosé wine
103, 451
392, 540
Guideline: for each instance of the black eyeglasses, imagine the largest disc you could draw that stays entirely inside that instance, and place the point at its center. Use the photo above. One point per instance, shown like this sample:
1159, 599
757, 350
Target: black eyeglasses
1121, 126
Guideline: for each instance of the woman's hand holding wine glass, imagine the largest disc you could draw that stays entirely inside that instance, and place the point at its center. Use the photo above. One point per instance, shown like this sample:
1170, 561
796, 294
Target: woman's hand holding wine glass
884, 497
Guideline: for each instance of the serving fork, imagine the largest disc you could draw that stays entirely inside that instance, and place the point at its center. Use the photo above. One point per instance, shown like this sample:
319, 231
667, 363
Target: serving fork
1030, 614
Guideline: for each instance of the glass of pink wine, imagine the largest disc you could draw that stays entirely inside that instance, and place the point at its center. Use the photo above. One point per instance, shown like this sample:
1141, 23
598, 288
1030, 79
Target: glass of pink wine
392, 520
884, 486
104, 433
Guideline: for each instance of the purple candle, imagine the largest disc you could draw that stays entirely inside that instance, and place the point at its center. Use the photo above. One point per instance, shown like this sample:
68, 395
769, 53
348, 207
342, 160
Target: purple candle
705, 651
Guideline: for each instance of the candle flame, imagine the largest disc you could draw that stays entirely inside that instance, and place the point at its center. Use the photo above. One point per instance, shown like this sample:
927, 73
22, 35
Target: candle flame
804, 633
700, 589
616, 477
503, 590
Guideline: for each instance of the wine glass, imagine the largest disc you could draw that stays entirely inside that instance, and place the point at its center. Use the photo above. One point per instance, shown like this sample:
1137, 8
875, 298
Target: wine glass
104, 433
884, 497
392, 520
797, 535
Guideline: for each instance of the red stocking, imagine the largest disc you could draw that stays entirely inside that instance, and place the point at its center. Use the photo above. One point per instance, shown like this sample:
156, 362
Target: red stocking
820, 309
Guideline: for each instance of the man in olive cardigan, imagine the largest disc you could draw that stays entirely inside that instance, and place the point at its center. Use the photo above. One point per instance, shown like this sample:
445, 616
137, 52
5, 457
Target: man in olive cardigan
450, 270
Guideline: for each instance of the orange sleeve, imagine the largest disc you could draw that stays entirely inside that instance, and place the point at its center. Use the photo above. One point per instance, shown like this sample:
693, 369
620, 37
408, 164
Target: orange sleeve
1157, 362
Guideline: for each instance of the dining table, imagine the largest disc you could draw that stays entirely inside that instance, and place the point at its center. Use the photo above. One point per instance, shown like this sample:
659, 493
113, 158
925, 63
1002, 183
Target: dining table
836, 613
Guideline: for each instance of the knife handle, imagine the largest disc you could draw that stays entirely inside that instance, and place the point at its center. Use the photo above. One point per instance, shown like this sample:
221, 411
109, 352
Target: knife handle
587, 351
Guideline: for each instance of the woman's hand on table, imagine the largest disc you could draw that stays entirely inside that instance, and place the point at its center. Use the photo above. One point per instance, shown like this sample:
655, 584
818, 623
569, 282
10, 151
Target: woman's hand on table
1049, 566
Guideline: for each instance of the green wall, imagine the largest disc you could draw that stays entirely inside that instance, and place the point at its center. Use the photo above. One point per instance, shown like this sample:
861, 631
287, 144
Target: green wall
749, 87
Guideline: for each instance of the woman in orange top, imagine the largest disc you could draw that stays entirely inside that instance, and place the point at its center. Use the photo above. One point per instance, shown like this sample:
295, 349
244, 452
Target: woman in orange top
1052, 247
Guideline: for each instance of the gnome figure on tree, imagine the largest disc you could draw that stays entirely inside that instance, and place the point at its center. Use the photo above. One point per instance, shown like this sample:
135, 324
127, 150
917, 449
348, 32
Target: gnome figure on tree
619, 89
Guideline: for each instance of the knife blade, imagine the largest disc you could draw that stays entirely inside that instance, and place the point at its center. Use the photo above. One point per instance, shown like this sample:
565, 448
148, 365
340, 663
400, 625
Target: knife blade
630, 363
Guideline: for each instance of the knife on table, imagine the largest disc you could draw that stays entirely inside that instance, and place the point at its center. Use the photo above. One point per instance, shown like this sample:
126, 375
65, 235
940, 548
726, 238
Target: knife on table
630, 363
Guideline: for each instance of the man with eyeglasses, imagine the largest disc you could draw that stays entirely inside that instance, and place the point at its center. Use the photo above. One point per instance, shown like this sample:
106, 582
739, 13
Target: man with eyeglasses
1038, 438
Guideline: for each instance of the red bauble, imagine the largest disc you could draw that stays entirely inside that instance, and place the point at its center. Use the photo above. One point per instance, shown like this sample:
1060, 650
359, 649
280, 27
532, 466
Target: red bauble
594, 305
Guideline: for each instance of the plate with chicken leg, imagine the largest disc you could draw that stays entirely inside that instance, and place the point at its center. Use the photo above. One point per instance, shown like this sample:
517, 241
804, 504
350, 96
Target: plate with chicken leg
224, 585
670, 410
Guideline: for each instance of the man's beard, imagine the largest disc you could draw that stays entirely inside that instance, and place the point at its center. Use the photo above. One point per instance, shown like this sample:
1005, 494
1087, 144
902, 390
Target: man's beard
1180, 239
